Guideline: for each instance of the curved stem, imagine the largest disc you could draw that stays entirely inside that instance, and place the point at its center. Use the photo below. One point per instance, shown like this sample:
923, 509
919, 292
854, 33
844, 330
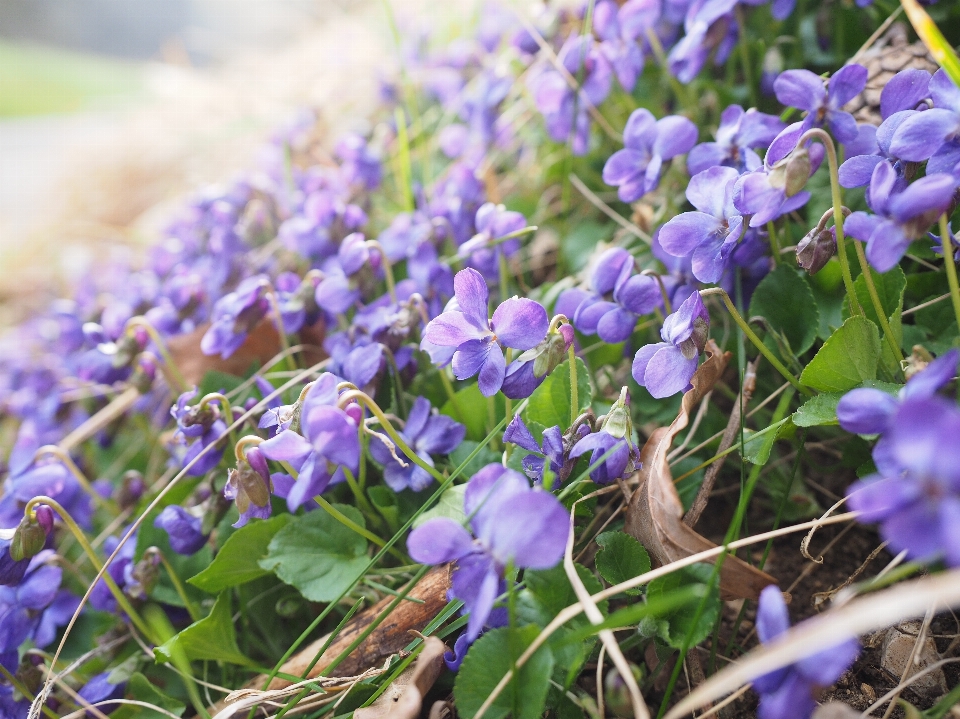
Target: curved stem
364, 399
574, 389
950, 266
663, 290
177, 584
752, 336
827, 142
67, 462
30, 512
225, 409
387, 268
451, 394
243, 444
877, 306
171, 370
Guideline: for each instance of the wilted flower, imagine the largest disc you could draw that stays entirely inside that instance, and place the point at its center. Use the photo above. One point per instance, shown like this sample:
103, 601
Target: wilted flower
513, 524
493, 221
249, 485
182, 528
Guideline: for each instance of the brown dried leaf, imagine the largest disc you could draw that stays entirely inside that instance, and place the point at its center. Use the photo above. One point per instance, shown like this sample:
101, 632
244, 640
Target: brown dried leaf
261, 345
655, 514
404, 697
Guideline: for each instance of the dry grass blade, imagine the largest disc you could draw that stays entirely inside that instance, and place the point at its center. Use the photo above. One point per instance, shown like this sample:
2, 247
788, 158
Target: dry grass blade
867, 614
655, 515
595, 616
403, 699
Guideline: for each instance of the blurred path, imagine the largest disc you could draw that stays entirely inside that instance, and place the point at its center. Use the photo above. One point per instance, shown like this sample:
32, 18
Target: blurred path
74, 189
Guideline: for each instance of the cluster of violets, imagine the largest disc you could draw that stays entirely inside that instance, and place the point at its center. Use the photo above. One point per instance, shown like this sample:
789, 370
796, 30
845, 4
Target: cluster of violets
292, 248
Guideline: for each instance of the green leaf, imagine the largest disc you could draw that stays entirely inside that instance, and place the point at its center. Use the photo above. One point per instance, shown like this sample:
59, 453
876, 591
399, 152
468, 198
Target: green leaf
484, 457
890, 288
848, 358
142, 689
818, 411
550, 403
548, 591
484, 666
474, 412
450, 505
620, 558
673, 626
318, 555
213, 637
385, 501
784, 299
238, 560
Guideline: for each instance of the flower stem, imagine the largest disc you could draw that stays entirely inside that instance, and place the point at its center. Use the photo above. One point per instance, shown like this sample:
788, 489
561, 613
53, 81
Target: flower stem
387, 268
745, 57
451, 394
774, 242
827, 142
349, 523
171, 370
950, 266
365, 400
177, 584
504, 275
875, 300
574, 389
225, 409
752, 336
365, 505
30, 512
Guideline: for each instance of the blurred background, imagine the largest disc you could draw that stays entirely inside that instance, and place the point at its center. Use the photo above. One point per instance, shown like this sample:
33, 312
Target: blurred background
112, 110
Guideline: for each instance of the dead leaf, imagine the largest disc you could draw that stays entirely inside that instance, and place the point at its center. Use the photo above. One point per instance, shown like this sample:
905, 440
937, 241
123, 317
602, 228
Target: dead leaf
404, 697
655, 514
261, 345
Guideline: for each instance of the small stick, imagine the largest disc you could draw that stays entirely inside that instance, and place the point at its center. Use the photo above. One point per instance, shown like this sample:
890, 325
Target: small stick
729, 434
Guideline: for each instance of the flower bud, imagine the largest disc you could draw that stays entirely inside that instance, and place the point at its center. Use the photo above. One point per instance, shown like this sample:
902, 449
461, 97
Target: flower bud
618, 694
144, 575
617, 422
797, 171
249, 483
31, 535
816, 249
131, 489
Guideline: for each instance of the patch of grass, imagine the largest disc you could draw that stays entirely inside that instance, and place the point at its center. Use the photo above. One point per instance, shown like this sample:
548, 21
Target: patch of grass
36, 80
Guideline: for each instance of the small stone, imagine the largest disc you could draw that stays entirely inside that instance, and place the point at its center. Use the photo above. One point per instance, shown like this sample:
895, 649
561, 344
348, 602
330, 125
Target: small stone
835, 710
898, 646
868, 692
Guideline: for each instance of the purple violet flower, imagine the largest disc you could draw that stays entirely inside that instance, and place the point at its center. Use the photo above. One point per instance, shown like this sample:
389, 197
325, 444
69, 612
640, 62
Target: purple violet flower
37, 607
182, 528
868, 411
492, 222
648, 143
905, 91
426, 434
235, 315
777, 187
205, 427
710, 27
550, 450
790, 692
528, 371
249, 484
739, 134
630, 295
901, 218
710, 235
666, 368
512, 523
806, 91
618, 29
100, 689
934, 134
518, 323
915, 496
329, 442
340, 288
614, 438
359, 164
564, 111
